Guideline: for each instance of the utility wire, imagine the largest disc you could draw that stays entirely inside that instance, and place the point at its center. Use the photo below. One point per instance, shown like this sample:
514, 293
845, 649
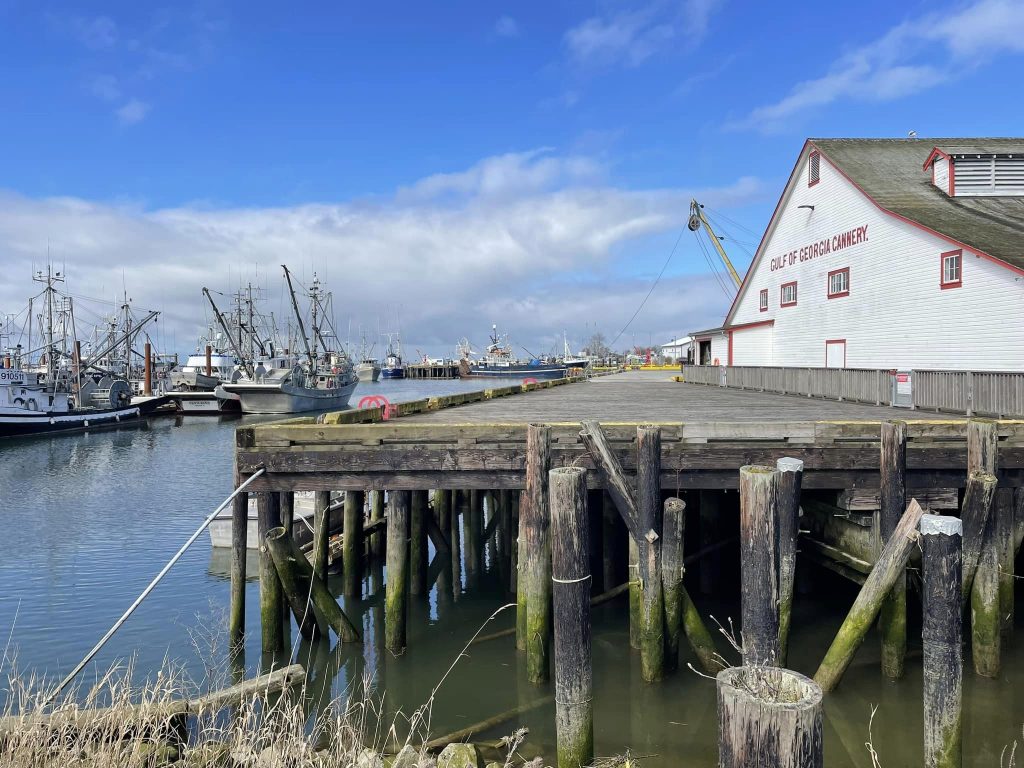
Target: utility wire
653, 286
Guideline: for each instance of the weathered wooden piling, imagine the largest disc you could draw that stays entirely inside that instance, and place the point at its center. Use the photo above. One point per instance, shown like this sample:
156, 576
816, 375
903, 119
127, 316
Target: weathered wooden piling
455, 540
941, 635
636, 597
298, 595
288, 511
791, 473
147, 370
1006, 554
418, 551
649, 507
268, 510
520, 564
570, 576
287, 556
474, 543
377, 538
505, 537
986, 644
321, 533
892, 620
535, 575
768, 717
352, 545
239, 543
977, 506
759, 607
673, 529
889, 567
396, 587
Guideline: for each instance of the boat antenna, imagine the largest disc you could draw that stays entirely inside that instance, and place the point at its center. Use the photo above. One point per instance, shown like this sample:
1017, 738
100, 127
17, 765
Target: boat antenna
298, 317
246, 364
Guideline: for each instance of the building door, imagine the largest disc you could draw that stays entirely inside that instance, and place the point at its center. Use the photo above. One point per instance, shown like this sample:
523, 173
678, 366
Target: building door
705, 351
835, 353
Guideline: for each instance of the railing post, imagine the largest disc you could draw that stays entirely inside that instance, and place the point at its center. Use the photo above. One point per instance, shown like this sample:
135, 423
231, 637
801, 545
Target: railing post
969, 395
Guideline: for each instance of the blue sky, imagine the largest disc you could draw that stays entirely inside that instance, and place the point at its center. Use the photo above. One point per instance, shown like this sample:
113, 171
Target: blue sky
531, 163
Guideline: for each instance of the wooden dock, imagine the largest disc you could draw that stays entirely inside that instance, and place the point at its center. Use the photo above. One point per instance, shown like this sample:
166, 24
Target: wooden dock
487, 456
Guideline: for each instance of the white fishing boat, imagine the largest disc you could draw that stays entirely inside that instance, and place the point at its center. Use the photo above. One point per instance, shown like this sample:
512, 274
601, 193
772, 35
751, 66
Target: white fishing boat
368, 370
322, 380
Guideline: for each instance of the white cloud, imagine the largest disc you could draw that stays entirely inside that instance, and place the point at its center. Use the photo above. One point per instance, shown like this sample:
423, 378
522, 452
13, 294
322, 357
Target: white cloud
106, 87
909, 58
631, 37
132, 112
96, 33
536, 260
506, 26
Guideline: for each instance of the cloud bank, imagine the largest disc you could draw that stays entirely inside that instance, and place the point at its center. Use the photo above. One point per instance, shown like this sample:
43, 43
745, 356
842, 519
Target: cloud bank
532, 241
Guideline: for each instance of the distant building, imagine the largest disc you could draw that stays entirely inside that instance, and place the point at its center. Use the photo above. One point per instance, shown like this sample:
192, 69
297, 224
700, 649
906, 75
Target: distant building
887, 253
677, 350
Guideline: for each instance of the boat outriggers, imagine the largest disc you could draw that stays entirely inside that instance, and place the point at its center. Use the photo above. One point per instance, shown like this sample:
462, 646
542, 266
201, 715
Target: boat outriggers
321, 380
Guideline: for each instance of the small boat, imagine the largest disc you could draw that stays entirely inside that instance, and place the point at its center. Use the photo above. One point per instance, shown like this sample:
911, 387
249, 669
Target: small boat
368, 370
323, 380
393, 367
498, 362
302, 526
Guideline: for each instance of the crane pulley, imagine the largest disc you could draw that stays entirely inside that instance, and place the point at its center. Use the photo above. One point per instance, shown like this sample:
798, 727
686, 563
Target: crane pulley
698, 220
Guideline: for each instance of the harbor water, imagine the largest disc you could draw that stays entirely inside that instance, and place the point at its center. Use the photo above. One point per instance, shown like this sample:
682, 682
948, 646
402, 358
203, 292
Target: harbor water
90, 518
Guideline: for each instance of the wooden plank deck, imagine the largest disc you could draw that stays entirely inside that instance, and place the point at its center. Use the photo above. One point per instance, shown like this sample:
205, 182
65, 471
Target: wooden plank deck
641, 396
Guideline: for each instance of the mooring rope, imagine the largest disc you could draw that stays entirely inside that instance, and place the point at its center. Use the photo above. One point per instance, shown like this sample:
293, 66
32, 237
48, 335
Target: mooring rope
163, 572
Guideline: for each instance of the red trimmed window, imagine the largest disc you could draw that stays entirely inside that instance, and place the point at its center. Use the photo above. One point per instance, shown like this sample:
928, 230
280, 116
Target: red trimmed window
952, 266
787, 295
763, 300
813, 169
839, 283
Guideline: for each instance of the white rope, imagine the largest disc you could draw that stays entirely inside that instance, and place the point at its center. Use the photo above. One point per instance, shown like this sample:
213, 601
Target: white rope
571, 581
131, 609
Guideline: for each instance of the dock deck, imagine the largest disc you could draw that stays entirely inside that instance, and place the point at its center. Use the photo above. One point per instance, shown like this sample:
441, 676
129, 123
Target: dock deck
654, 396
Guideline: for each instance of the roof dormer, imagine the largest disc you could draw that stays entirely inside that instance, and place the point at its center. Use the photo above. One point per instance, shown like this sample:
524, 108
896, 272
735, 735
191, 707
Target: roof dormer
973, 172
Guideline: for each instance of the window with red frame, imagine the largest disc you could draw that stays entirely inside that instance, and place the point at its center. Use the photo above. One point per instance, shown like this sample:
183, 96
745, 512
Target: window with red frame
839, 283
787, 297
814, 169
952, 269
764, 300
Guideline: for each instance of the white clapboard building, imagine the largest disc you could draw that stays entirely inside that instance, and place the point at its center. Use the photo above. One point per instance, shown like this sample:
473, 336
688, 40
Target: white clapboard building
887, 253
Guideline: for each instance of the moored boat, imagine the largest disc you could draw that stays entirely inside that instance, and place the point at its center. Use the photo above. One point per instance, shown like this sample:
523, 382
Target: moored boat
499, 362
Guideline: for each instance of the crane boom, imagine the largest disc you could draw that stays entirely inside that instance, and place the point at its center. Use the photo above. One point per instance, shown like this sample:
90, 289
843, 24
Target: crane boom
697, 219
246, 364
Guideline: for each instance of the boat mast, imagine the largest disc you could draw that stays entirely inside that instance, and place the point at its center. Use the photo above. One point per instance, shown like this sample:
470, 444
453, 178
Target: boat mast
298, 318
235, 345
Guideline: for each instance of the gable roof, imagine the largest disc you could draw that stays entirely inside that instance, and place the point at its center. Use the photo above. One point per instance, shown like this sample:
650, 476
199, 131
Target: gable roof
892, 173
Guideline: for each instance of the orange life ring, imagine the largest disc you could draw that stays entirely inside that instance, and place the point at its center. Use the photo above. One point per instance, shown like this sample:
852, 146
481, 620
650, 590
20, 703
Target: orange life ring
717, 362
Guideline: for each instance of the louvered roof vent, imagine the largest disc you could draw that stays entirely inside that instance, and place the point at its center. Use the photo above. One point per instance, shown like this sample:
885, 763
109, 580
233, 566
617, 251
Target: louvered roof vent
963, 173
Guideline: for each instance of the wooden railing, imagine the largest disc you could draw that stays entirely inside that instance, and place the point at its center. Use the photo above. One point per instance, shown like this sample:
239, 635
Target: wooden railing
982, 393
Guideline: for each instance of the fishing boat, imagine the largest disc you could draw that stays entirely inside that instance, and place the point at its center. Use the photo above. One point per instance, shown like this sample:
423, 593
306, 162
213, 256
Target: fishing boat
393, 367
368, 368
65, 389
322, 380
499, 362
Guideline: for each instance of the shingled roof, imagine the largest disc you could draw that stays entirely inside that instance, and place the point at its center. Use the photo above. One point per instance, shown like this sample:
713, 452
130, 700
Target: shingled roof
891, 172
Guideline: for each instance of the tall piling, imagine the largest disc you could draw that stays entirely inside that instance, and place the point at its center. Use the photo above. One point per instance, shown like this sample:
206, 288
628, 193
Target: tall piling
759, 601
396, 587
791, 473
378, 537
268, 509
418, 544
209, 360
974, 514
892, 620
986, 645
649, 507
571, 577
288, 511
352, 544
147, 376
941, 635
239, 544
505, 537
673, 529
321, 533
535, 573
